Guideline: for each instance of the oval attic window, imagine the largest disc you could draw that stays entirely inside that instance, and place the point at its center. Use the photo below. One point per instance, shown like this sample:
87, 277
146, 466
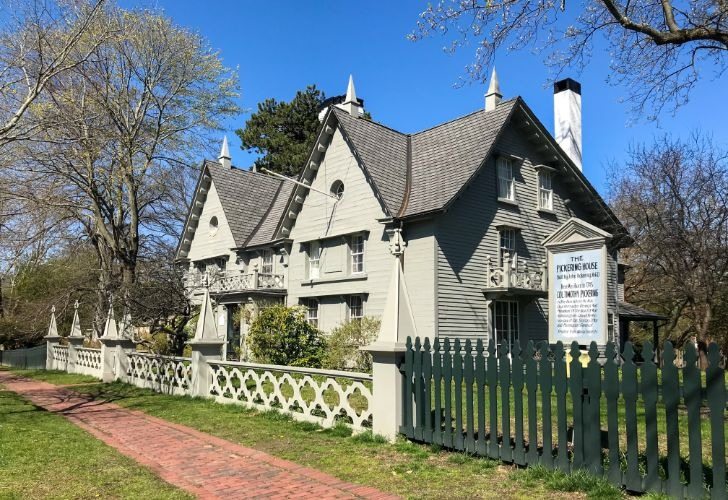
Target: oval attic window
337, 189
213, 226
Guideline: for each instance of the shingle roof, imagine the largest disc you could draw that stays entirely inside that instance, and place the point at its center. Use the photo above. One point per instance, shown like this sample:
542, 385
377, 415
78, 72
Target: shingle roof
445, 157
246, 198
442, 158
383, 152
636, 313
266, 232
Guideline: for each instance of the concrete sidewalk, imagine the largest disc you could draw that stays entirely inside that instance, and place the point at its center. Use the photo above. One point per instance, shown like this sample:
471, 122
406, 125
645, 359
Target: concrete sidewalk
203, 465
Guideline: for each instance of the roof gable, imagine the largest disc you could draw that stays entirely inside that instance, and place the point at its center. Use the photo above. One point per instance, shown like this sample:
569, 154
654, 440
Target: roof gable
383, 152
246, 198
445, 158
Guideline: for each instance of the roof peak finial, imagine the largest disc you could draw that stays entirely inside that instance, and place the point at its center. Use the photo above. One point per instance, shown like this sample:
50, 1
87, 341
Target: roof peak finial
350, 91
493, 96
224, 157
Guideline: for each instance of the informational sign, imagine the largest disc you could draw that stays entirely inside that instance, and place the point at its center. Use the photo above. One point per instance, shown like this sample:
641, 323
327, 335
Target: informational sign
578, 296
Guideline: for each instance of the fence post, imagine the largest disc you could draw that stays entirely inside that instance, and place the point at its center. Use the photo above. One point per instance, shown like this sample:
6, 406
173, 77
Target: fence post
115, 346
206, 345
75, 340
52, 339
387, 391
389, 348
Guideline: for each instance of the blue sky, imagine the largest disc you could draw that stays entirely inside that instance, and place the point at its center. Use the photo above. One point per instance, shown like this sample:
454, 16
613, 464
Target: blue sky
282, 46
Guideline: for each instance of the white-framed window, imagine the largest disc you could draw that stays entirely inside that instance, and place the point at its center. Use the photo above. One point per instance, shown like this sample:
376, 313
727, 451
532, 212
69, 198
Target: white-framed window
312, 312
357, 254
267, 262
506, 323
355, 304
314, 260
507, 244
506, 183
545, 191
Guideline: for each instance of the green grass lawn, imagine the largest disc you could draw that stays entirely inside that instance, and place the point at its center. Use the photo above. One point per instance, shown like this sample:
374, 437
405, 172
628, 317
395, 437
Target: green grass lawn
404, 468
42, 455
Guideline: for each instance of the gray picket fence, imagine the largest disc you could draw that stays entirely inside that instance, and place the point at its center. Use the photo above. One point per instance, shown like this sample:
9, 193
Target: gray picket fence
33, 358
642, 427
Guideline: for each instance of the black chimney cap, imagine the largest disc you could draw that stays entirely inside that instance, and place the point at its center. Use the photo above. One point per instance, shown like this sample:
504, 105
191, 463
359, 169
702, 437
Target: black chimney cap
567, 84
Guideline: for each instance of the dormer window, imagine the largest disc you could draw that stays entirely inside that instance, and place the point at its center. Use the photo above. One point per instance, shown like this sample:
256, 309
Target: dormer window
213, 226
506, 182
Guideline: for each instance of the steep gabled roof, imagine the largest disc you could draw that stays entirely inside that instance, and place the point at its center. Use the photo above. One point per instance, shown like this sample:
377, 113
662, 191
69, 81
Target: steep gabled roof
245, 196
249, 201
266, 231
445, 157
383, 152
424, 173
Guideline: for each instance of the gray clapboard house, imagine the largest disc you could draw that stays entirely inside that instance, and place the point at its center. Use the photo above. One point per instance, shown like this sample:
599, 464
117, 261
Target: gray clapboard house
473, 200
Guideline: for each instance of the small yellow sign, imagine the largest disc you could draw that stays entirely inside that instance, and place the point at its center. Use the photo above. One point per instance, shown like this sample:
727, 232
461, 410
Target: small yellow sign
583, 357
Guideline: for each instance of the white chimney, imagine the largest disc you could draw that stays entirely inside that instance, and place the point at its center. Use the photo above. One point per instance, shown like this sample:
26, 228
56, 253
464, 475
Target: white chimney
567, 118
493, 96
224, 157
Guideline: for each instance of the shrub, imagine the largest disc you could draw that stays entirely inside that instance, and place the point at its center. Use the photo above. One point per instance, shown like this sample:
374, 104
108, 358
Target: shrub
342, 346
281, 335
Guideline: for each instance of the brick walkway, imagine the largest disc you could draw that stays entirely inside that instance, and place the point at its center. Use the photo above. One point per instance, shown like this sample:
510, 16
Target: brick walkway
206, 466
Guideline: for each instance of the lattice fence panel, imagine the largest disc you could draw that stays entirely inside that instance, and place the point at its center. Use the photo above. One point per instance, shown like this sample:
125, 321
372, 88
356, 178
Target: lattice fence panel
321, 396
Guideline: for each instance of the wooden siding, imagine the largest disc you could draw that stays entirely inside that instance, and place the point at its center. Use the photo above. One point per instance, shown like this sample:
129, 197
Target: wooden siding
206, 246
419, 274
466, 235
323, 218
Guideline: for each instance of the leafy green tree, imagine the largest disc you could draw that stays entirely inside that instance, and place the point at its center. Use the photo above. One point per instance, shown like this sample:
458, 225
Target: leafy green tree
342, 345
281, 335
283, 132
31, 291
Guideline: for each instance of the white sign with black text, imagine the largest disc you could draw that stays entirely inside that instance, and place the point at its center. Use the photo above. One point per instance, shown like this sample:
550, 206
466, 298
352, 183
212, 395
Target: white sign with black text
578, 296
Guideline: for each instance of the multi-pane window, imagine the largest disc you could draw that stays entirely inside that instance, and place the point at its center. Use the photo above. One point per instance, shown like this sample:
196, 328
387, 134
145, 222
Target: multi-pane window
506, 323
357, 254
267, 266
507, 244
610, 327
314, 259
506, 183
545, 191
356, 307
312, 312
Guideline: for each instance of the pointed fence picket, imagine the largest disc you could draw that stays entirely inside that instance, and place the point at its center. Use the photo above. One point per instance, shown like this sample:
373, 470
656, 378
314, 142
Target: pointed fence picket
644, 426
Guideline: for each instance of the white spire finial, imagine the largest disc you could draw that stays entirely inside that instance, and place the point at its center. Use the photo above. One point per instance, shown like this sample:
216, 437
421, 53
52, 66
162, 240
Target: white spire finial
351, 102
350, 91
224, 157
493, 96
52, 327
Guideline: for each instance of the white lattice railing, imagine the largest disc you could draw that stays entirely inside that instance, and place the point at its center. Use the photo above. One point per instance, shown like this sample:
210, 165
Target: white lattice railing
169, 374
516, 274
321, 396
88, 361
60, 357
